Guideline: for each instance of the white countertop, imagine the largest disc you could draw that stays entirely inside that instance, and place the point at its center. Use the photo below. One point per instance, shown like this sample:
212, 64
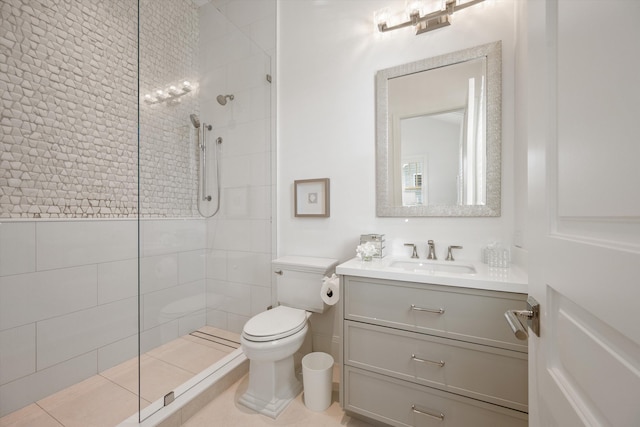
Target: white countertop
512, 279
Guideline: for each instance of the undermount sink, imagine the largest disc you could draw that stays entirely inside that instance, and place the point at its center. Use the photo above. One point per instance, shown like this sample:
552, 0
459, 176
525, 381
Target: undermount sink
430, 267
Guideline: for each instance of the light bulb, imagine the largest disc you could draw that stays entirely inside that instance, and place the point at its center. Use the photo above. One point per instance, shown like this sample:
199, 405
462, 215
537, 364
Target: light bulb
414, 6
381, 18
434, 6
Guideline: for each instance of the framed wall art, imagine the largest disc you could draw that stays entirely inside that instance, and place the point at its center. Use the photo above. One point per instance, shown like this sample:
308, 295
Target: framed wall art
311, 197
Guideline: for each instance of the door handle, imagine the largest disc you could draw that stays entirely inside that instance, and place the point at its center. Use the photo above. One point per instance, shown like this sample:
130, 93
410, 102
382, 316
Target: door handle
531, 314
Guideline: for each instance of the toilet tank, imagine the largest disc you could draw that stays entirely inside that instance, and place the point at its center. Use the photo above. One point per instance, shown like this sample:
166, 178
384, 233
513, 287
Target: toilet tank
299, 279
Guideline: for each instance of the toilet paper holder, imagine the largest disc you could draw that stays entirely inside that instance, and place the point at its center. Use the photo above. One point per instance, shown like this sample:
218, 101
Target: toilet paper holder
330, 290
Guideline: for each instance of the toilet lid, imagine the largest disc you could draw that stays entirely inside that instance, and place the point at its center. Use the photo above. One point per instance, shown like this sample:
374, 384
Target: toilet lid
273, 324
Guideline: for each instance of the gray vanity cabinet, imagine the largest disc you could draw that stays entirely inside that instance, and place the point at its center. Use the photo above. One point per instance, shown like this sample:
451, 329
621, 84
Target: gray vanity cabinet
416, 354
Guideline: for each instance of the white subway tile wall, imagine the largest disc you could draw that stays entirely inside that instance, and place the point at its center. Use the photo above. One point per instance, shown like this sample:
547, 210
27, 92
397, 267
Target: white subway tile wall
18, 351
117, 280
34, 297
18, 248
63, 337
72, 243
76, 313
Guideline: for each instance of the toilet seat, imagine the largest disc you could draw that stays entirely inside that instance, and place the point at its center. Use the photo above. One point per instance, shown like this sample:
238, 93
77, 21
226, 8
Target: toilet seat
274, 324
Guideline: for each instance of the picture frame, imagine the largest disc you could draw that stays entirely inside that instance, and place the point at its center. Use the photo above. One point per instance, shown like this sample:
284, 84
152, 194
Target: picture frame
311, 197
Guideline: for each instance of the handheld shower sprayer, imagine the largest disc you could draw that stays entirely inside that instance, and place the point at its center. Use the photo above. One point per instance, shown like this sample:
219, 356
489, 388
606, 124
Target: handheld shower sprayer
202, 145
195, 121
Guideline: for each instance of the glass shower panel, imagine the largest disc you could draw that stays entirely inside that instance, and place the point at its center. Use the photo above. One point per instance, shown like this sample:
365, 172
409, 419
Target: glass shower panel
204, 131
68, 208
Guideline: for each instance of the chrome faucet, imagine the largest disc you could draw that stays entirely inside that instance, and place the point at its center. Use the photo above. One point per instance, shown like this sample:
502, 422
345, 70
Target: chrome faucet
449, 254
432, 250
415, 252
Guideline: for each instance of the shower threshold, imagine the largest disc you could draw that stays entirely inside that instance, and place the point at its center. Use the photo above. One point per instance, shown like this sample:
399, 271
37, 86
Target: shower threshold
196, 392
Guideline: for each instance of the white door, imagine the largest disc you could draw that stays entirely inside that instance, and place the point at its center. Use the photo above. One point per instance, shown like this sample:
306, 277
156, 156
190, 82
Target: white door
583, 131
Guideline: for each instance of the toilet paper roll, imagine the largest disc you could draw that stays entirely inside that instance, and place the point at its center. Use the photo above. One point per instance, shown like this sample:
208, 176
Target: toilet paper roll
330, 290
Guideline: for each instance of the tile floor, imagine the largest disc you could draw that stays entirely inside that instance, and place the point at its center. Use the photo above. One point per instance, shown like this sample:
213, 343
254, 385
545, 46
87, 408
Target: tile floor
109, 398
225, 411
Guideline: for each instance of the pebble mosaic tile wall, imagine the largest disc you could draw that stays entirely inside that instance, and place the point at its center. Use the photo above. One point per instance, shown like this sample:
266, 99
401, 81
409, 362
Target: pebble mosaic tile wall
168, 140
69, 117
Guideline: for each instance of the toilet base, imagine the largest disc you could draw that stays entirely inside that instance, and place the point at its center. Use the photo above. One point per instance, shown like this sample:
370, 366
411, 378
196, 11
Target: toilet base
272, 386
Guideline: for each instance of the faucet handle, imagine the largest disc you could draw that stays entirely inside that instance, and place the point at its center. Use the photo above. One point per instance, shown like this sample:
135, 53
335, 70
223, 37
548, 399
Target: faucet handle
449, 254
415, 252
432, 250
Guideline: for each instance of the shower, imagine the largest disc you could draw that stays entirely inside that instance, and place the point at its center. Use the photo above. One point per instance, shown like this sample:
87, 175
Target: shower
202, 178
127, 261
222, 99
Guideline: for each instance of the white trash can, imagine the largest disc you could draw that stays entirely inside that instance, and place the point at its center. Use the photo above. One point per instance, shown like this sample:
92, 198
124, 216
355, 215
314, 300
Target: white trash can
317, 375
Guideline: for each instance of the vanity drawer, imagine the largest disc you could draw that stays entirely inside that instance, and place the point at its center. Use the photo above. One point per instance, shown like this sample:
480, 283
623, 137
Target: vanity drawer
481, 372
396, 402
467, 314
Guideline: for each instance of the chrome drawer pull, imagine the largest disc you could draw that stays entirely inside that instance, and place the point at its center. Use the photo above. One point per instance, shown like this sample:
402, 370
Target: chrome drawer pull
430, 310
436, 416
433, 362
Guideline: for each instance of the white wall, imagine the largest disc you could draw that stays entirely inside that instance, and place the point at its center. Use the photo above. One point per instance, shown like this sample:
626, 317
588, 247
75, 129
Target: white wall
326, 122
326, 128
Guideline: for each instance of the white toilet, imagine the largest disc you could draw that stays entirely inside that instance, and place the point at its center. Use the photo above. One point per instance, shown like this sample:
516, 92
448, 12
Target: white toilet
271, 338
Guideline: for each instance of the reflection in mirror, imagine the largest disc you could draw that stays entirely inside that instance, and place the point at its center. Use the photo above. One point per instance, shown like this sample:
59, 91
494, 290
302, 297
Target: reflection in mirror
430, 136
438, 136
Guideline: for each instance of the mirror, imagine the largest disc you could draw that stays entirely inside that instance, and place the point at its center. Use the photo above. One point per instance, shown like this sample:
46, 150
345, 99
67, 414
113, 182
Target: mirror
438, 135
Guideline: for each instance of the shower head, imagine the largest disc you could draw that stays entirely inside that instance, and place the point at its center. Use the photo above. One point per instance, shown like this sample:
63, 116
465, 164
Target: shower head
195, 120
222, 99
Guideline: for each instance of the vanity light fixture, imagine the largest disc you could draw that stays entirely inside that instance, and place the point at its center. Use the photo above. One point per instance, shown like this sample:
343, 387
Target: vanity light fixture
169, 94
424, 16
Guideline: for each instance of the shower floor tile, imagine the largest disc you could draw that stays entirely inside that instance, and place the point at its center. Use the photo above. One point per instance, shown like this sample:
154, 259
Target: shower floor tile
189, 355
157, 377
93, 402
29, 416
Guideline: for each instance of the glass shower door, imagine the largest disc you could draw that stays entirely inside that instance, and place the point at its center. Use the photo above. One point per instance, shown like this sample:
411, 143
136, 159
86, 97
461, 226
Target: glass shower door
205, 109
